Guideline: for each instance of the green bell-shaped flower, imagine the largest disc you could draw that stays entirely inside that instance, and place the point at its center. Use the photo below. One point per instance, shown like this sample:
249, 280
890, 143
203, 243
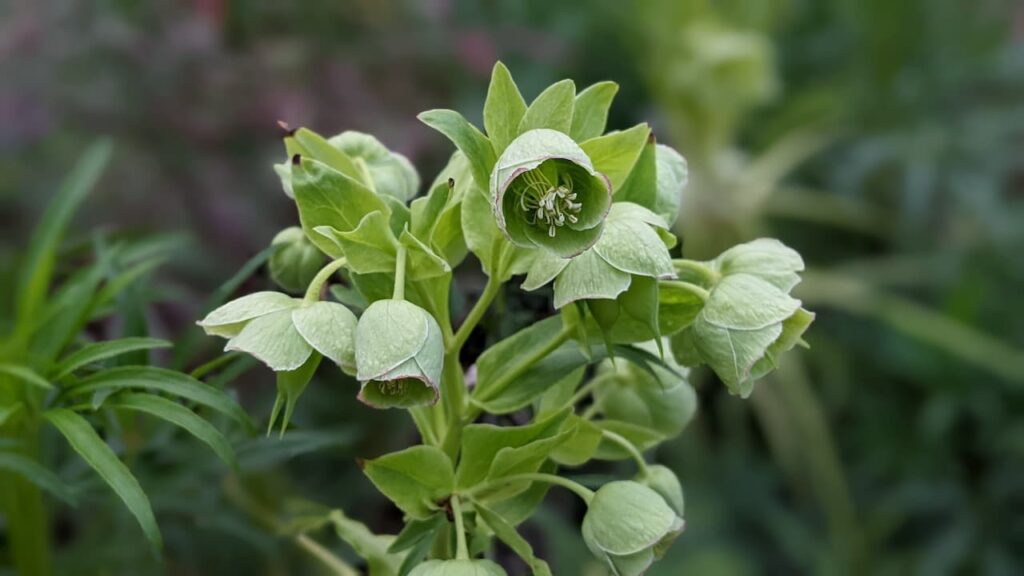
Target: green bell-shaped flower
635, 242
283, 332
399, 355
546, 193
458, 568
749, 320
296, 260
628, 525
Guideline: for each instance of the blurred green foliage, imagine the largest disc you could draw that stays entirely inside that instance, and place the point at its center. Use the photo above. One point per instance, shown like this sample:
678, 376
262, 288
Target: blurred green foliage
881, 139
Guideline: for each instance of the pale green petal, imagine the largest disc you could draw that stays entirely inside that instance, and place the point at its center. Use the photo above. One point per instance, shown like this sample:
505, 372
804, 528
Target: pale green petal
589, 276
229, 319
330, 329
273, 340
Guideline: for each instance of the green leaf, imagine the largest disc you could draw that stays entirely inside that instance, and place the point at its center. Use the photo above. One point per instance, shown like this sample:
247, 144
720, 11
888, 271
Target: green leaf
374, 548
507, 534
37, 269
416, 531
37, 474
88, 444
641, 186
162, 380
552, 109
181, 417
318, 148
415, 479
591, 110
26, 375
326, 197
615, 153
579, 448
467, 138
97, 351
488, 450
673, 175
503, 109
290, 386
370, 247
8, 412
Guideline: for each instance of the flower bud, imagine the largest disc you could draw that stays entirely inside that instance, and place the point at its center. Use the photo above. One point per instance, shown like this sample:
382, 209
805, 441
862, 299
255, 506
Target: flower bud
356, 155
628, 525
296, 260
546, 193
399, 355
458, 568
664, 481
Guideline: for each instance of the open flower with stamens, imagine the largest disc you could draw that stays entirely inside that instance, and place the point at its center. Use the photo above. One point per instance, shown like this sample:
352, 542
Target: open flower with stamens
547, 194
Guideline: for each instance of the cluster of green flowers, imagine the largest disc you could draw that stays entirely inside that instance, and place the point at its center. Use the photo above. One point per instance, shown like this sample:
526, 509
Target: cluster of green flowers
545, 193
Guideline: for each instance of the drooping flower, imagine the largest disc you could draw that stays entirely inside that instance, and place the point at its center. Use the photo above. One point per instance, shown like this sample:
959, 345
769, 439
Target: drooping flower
296, 261
458, 568
399, 355
628, 525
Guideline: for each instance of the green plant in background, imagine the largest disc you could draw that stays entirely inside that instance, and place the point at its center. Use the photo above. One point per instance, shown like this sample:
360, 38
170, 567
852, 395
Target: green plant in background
55, 376
546, 193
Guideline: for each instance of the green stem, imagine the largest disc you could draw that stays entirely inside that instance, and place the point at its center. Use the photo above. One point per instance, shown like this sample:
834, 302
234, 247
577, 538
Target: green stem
512, 375
587, 388
321, 278
491, 290
580, 490
400, 274
453, 388
28, 522
461, 550
424, 424
628, 446
213, 365
690, 287
698, 269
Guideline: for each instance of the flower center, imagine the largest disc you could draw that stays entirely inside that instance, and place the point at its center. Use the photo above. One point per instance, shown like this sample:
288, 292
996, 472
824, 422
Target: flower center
548, 203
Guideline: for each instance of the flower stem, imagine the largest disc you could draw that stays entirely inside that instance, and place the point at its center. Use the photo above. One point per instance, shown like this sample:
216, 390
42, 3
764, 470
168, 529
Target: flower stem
692, 288
628, 446
698, 269
491, 290
580, 490
461, 550
321, 278
453, 388
400, 274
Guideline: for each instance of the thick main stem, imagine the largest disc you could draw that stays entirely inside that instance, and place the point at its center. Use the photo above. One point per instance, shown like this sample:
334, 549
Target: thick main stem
453, 388
28, 523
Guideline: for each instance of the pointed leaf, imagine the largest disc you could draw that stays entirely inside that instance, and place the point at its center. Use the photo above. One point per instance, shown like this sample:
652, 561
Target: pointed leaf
37, 474
552, 109
591, 110
507, 534
162, 380
415, 479
26, 375
97, 351
467, 138
615, 153
88, 444
503, 109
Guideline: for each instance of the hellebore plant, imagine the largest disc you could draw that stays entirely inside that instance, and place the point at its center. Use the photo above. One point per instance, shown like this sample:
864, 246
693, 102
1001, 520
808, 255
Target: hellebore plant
547, 195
